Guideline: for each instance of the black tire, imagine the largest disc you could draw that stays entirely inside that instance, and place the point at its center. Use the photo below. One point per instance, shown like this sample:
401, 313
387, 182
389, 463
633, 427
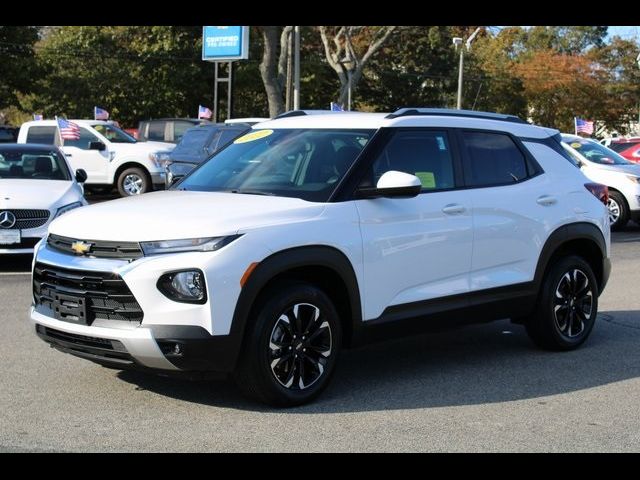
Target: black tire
133, 181
618, 209
258, 378
101, 190
560, 322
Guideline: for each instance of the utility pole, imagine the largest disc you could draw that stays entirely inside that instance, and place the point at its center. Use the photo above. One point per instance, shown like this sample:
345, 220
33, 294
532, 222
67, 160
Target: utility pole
457, 41
296, 69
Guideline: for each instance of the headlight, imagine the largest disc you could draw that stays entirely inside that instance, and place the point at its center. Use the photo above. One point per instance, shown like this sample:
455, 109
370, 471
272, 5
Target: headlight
66, 208
184, 286
209, 244
159, 159
633, 178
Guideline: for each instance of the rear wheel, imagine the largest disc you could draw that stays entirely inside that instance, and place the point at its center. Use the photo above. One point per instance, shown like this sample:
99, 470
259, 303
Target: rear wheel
291, 350
618, 210
567, 306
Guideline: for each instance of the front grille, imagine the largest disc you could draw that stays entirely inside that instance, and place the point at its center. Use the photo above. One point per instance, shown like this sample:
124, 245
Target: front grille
97, 248
24, 243
105, 295
29, 218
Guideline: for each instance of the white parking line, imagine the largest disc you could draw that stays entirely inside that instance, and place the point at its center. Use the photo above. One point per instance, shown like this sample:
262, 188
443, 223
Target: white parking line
15, 273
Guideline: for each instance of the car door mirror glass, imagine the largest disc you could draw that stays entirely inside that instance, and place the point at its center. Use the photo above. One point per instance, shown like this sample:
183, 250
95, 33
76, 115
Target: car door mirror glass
81, 175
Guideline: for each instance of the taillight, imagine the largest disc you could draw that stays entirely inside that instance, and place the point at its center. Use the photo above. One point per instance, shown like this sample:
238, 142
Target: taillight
601, 192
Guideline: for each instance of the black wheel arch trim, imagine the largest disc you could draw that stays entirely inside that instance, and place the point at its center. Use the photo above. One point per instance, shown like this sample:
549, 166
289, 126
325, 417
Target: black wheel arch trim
565, 234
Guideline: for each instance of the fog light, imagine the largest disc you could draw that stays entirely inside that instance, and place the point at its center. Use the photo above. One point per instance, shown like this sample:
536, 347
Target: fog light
184, 286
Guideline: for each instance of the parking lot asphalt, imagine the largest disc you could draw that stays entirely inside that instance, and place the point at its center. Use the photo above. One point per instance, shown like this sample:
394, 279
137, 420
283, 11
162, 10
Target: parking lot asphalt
481, 388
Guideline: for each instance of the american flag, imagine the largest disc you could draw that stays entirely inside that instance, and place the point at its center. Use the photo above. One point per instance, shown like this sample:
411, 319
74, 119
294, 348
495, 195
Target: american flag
584, 126
204, 112
68, 130
100, 113
335, 107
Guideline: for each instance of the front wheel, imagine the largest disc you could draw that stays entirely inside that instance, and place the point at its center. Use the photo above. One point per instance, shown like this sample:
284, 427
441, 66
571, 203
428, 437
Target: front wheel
133, 181
292, 347
567, 307
618, 211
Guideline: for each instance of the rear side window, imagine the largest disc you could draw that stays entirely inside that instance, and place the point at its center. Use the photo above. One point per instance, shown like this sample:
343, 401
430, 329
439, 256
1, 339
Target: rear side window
43, 134
425, 154
156, 131
492, 159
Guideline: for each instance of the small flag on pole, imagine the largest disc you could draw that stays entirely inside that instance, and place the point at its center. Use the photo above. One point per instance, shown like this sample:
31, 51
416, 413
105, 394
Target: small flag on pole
335, 107
100, 114
583, 126
68, 130
37, 116
204, 112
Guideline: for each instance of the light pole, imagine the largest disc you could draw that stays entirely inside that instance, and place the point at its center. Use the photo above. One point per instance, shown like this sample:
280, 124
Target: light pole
457, 41
345, 62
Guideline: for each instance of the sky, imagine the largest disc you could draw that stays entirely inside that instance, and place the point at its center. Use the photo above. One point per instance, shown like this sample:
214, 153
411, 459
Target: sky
628, 33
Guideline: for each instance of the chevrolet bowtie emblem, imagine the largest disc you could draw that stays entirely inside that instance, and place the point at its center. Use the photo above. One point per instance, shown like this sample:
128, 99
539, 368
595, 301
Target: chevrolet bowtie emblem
81, 247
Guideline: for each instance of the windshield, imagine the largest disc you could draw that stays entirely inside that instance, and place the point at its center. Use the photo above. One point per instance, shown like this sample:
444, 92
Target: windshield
193, 142
114, 134
301, 163
594, 152
46, 164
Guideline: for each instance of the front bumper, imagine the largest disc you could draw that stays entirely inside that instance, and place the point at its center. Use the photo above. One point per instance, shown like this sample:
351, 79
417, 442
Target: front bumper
158, 180
29, 238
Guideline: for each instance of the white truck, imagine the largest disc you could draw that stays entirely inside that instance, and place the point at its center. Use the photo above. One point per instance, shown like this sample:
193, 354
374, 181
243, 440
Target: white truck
110, 156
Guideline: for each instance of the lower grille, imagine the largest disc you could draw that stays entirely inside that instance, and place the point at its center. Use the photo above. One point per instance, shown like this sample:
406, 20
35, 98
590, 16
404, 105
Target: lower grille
81, 296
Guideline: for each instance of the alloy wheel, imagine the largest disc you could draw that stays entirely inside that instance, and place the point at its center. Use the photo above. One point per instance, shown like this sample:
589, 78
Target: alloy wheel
573, 303
132, 184
614, 211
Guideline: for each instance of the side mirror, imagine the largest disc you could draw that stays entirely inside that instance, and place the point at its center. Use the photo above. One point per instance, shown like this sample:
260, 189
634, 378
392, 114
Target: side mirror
393, 184
97, 146
81, 176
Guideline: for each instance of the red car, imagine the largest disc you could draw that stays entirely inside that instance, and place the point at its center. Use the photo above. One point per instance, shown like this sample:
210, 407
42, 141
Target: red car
629, 148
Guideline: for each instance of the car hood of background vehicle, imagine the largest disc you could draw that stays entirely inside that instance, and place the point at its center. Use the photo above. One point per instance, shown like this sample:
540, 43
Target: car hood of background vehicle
179, 214
30, 193
626, 169
142, 147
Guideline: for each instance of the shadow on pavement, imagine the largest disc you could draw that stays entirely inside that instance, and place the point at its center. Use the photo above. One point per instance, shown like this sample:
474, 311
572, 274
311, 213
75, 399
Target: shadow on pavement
15, 263
475, 365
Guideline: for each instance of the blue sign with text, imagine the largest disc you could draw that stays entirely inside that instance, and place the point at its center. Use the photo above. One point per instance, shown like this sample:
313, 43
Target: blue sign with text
225, 43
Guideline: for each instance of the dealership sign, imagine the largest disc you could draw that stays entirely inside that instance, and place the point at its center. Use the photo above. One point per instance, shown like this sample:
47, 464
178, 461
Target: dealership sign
225, 43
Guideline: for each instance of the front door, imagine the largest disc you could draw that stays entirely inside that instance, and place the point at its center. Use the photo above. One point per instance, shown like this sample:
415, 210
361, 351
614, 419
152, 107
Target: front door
94, 162
415, 249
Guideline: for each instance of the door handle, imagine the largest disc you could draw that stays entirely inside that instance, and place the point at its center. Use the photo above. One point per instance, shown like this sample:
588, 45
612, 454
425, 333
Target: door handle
453, 209
68, 155
546, 200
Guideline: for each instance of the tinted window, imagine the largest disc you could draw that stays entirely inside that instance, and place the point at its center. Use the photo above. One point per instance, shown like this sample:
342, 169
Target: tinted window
83, 142
194, 142
492, 159
7, 136
33, 164
45, 135
227, 136
179, 128
156, 131
622, 146
425, 154
595, 152
114, 134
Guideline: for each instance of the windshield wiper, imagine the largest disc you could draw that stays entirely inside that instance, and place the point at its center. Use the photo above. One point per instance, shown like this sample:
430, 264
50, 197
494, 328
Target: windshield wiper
253, 192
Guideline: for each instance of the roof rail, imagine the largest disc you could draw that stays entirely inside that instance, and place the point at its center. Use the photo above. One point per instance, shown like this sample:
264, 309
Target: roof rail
405, 112
298, 113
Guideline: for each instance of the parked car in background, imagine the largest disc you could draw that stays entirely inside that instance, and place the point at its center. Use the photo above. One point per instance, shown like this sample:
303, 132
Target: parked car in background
198, 144
603, 165
110, 156
36, 186
628, 148
8, 134
166, 129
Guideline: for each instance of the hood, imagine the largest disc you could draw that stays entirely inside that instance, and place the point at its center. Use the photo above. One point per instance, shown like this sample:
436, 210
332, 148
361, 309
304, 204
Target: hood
139, 147
187, 158
35, 194
178, 214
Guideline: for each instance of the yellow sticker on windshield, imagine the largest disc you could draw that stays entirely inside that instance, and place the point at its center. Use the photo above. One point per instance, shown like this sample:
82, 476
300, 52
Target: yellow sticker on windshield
250, 137
427, 179
576, 145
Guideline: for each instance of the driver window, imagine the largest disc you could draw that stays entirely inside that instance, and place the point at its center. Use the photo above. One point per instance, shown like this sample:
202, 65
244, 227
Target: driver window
82, 143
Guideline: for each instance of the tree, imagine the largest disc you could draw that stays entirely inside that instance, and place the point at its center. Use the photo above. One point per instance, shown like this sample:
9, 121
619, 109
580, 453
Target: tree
358, 44
18, 65
273, 66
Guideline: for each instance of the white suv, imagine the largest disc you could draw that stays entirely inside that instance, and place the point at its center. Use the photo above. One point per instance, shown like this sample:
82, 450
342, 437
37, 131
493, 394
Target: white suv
316, 232
109, 155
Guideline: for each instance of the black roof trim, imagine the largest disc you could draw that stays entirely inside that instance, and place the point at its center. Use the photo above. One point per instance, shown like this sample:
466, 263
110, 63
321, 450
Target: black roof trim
406, 112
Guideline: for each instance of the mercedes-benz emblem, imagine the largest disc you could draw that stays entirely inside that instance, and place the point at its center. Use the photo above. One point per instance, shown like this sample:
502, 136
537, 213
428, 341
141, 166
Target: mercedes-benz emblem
7, 219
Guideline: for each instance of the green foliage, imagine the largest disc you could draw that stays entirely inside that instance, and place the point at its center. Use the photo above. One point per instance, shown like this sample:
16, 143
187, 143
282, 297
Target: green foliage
17, 64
